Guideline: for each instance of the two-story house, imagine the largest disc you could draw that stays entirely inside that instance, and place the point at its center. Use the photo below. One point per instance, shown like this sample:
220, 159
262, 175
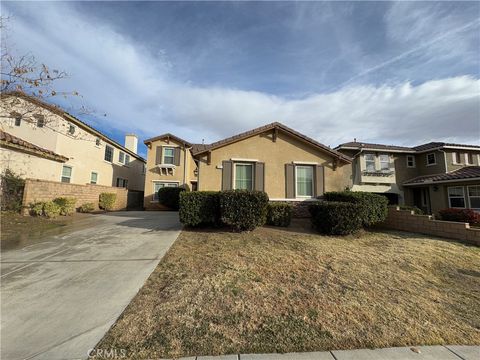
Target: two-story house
273, 158
42, 141
431, 176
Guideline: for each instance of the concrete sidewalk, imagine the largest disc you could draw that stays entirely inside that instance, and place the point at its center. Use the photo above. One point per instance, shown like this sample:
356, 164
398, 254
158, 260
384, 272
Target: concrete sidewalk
450, 352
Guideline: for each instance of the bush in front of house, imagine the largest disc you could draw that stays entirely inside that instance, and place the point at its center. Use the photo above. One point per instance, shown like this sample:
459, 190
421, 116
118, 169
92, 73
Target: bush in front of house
86, 208
51, 209
107, 201
460, 215
243, 209
67, 205
279, 213
12, 186
415, 209
373, 207
336, 218
199, 208
37, 208
170, 196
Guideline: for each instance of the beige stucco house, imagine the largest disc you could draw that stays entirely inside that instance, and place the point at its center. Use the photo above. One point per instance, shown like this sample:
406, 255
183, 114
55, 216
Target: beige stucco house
274, 158
431, 176
42, 141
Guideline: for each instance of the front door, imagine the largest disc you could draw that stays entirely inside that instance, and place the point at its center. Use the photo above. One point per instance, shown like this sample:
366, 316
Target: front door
421, 199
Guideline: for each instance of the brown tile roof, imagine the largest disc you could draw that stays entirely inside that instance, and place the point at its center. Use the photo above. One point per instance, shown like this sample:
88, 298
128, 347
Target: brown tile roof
435, 145
11, 141
465, 173
268, 127
60, 112
362, 145
168, 135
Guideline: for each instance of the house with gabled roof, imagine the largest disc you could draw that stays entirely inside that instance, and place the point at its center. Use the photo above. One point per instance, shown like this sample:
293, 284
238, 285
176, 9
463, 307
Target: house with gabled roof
274, 158
431, 176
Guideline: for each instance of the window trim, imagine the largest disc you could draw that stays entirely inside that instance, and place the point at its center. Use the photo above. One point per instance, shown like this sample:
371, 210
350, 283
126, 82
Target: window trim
105, 153
251, 164
412, 157
161, 181
434, 159
69, 178
173, 155
96, 181
449, 200
296, 182
374, 162
380, 161
469, 197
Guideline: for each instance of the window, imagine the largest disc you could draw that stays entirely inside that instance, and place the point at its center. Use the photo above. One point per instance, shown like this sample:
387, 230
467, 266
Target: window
144, 169
431, 159
168, 155
244, 176
410, 161
127, 159
97, 141
108, 153
456, 158
468, 159
121, 182
121, 157
384, 162
66, 174
304, 181
71, 129
157, 185
370, 162
474, 196
456, 197
40, 120
93, 177
18, 121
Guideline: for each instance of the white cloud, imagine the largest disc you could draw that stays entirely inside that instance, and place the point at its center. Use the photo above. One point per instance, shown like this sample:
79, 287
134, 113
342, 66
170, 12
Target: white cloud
138, 93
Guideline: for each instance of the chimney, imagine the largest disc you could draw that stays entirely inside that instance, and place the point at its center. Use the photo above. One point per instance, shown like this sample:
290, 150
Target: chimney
131, 142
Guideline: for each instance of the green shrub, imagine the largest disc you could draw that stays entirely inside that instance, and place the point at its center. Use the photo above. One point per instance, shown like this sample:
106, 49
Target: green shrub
87, 207
373, 207
243, 209
107, 201
12, 186
199, 208
37, 208
415, 209
336, 218
51, 209
67, 205
279, 213
170, 196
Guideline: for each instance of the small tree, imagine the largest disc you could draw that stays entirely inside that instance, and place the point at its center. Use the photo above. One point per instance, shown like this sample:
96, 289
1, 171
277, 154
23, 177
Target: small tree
12, 191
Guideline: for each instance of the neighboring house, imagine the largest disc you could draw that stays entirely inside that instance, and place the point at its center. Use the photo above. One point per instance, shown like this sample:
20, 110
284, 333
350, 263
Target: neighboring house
431, 176
42, 141
282, 162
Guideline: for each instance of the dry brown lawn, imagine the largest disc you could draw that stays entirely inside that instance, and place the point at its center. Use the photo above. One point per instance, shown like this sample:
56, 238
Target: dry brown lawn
283, 290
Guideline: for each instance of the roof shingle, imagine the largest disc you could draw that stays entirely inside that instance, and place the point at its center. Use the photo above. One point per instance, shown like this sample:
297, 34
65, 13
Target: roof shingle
465, 173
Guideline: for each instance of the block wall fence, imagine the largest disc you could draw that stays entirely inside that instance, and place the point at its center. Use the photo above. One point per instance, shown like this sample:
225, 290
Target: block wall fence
406, 220
44, 190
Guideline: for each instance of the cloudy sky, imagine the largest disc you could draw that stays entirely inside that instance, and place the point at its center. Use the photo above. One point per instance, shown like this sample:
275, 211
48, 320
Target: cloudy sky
400, 73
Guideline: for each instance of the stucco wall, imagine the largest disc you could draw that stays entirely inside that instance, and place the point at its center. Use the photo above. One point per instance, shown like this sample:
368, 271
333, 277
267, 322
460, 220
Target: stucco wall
424, 169
275, 155
452, 167
83, 153
42, 190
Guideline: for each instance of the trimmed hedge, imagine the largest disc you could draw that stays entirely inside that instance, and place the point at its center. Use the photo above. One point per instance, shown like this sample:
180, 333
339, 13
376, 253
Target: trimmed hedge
373, 207
86, 208
415, 209
243, 209
279, 213
107, 201
460, 215
199, 208
336, 218
170, 196
67, 205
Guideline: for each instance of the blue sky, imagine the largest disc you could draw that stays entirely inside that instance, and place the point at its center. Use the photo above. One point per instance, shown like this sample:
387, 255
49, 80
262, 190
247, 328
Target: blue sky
400, 73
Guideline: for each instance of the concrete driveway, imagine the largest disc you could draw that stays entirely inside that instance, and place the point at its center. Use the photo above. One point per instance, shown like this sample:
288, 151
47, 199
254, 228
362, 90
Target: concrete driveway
61, 293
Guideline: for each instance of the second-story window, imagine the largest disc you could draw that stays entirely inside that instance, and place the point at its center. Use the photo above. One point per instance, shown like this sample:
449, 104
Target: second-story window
17, 117
384, 162
410, 161
97, 141
168, 155
121, 157
108, 153
40, 120
468, 159
370, 162
127, 159
431, 159
71, 129
456, 158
